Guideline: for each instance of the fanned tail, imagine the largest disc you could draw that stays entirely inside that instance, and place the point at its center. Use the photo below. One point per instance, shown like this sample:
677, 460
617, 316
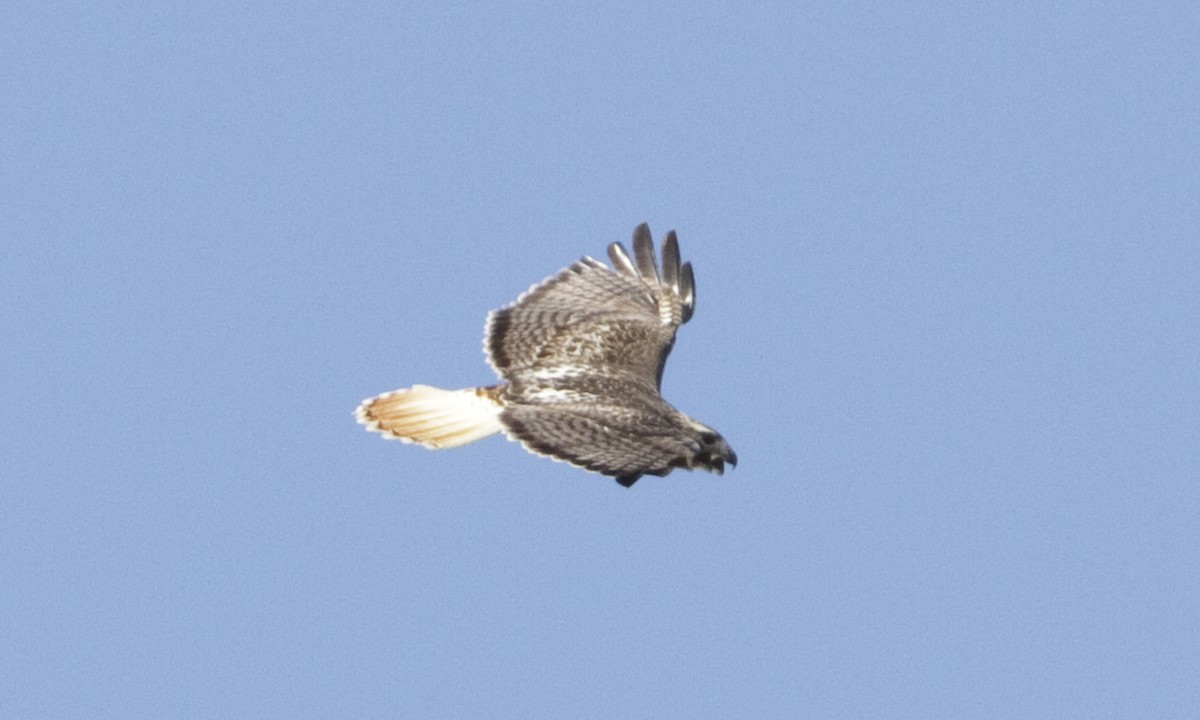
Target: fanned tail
432, 417
677, 283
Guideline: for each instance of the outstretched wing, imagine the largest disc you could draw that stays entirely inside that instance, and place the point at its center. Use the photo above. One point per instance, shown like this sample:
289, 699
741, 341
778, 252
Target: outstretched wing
590, 320
608, 436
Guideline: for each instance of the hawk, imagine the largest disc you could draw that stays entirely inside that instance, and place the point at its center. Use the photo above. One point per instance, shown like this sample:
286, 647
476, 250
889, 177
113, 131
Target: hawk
581, 357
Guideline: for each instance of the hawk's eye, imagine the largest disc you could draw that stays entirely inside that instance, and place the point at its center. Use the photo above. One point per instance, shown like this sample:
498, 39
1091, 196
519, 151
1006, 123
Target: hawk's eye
707, 438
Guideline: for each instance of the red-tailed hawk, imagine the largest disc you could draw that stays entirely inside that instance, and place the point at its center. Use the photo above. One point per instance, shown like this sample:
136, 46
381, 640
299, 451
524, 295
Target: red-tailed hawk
581, 356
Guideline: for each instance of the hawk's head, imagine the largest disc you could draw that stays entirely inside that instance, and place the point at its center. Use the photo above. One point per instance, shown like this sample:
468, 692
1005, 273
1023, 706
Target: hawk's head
713, 452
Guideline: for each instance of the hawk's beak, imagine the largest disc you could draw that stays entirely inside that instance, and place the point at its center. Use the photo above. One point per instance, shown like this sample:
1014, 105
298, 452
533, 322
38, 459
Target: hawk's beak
731, 458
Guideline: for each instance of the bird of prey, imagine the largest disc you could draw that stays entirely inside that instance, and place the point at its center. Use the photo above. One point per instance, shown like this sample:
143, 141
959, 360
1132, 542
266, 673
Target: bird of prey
581, 359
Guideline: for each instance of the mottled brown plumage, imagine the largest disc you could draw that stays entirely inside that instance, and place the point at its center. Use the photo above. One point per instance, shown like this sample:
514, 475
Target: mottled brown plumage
581, 356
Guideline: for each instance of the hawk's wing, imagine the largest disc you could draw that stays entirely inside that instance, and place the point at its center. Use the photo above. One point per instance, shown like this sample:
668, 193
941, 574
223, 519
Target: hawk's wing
590, 320
583, 353
602, 436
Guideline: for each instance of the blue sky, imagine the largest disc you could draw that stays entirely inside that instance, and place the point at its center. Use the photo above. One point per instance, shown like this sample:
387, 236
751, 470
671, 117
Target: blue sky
947, 263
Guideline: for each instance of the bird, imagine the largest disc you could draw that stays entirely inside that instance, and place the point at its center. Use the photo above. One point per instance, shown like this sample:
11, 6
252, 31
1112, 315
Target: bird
580, 357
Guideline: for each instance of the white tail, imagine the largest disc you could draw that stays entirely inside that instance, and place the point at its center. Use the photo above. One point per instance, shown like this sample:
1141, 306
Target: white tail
432, 417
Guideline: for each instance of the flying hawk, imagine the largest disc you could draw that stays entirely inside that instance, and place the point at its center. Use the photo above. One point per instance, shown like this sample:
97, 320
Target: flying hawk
581, 357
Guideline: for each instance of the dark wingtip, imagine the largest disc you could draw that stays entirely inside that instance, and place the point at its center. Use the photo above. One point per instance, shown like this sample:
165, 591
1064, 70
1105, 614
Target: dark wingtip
670, 261
687, 291
643, 252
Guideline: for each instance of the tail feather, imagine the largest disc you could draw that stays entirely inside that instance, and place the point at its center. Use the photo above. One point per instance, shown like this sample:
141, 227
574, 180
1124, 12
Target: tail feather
432, 417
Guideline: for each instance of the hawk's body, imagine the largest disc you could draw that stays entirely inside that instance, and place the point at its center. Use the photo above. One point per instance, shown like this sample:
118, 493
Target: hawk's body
582, 356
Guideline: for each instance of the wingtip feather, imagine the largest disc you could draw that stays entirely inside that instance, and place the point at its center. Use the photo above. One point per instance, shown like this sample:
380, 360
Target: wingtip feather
620, 260
687, 290
643, 252
670, 261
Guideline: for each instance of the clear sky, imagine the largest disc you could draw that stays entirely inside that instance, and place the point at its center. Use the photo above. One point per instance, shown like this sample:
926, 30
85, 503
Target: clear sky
947, 262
